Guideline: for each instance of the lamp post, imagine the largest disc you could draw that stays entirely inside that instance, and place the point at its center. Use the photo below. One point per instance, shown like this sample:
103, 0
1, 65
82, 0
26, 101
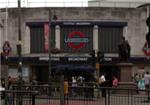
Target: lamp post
49, 53
19, 52
50, 47
19, 47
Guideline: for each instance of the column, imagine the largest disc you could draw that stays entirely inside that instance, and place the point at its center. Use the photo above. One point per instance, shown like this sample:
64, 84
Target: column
95, 38
1, 37
95, 47
57, 36
26, 45
125, 31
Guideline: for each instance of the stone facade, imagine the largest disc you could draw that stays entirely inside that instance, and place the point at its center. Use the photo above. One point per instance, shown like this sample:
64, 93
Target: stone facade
134, 32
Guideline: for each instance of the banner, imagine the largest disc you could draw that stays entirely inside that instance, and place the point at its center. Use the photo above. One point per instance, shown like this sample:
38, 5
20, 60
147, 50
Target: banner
46, 36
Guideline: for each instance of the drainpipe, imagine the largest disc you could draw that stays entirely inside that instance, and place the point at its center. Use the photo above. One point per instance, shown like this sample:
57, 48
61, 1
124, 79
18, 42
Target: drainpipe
147, 14
6, 24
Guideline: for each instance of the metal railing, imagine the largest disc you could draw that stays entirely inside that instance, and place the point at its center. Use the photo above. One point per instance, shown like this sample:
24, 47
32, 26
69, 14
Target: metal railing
18, 97
107, 96
78, 95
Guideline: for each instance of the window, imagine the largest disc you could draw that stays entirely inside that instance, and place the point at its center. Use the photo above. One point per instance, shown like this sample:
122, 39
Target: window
37, 39
109, 39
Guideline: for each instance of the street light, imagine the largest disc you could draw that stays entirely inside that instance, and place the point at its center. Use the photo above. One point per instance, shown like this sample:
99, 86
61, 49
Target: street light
49, 51
19, 47
50, 32
49, 43
19, 52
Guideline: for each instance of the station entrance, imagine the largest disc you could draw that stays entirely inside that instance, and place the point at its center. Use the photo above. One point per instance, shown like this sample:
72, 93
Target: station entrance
42, 72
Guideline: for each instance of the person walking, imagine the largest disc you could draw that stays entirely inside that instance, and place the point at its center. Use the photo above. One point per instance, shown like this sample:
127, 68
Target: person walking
114, 84
102, 83
10, 95
74, 85
136, 80
147, 83
141, 84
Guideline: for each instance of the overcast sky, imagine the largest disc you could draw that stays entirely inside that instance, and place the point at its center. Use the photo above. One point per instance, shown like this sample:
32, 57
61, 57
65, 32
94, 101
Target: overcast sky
45, 3
56, 3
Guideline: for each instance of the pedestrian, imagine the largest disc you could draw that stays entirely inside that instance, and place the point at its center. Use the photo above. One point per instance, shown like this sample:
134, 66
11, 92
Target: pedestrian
114, 84
102, 83
147, 79
102, 79
74, 85
80, 80
10, 94
115, 81
147, 83
141, 84
136, 80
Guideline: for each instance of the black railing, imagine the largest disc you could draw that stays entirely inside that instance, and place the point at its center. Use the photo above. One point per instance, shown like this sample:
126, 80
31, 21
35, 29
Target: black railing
108, 96
15, 97
78, 95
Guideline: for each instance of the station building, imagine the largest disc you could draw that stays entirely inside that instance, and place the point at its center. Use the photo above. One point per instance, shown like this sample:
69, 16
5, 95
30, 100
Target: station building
73, 35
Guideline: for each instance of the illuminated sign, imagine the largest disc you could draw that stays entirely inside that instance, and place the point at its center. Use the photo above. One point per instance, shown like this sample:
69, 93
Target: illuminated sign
76, 40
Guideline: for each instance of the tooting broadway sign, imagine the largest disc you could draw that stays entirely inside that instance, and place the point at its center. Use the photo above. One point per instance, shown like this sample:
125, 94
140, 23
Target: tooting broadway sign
76, 40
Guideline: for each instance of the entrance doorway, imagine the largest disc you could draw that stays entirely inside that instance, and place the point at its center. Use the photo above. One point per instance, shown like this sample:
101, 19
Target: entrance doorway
41, 74
109, 72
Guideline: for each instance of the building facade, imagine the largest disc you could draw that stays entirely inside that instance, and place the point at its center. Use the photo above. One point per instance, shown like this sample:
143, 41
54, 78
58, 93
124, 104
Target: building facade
75, 33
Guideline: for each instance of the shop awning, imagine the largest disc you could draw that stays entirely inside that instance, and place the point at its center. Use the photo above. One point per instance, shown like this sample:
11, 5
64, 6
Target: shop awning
70, 67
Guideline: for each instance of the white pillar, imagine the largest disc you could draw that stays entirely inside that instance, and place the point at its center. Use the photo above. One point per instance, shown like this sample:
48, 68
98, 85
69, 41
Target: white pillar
0, 51
95, 44
95, 38
6, 24
57, 36
1, 36
26, 43
125, 32
147, 14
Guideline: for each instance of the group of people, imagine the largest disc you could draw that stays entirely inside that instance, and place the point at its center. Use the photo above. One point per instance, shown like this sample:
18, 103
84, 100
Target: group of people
142, 81
104, 83
76, 81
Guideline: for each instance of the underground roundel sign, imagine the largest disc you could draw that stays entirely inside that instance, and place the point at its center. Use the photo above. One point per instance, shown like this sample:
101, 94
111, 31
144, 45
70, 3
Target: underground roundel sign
76, 40
6, 48
146, 49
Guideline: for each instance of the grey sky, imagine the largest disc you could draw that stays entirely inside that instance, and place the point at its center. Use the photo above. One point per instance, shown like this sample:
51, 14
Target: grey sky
58, 3
45, 3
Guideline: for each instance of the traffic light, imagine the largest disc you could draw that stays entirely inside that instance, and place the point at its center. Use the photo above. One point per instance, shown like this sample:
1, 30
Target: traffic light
100, 56
148, 34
